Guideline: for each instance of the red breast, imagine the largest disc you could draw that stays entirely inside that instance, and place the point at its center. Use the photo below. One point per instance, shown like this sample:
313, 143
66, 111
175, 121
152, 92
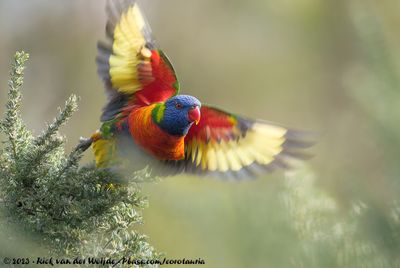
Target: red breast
152, 138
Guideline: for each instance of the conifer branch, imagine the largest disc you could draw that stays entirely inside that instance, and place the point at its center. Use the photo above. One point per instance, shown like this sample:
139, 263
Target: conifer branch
70, 209
71, 106
13, 125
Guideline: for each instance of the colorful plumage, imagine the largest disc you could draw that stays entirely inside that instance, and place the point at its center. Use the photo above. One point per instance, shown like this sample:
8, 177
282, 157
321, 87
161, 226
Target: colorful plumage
146, 122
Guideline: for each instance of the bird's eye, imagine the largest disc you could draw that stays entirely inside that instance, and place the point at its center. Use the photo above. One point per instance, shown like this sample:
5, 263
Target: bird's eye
178, 106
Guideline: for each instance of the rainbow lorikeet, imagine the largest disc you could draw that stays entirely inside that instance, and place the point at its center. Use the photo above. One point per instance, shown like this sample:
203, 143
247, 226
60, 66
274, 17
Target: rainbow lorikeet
146, 122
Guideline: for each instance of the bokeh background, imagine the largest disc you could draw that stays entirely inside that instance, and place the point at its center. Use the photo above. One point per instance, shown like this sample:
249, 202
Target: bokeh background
330, 66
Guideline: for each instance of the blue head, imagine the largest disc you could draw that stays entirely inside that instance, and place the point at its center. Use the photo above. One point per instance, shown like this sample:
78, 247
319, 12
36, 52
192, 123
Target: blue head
177, 114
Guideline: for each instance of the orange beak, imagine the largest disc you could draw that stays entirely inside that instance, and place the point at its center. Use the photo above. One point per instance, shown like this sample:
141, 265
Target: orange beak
194, 114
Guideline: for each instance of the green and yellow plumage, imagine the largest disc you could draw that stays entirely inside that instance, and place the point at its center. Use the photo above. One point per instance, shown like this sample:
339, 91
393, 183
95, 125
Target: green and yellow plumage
158, 112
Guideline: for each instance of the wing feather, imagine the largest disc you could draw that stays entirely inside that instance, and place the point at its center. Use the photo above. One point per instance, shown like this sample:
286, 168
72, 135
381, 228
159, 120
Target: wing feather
230, 146
132, 68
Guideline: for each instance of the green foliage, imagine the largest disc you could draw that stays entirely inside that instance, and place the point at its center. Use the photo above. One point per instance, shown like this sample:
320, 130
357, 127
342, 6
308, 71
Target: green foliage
334, 238
70, 210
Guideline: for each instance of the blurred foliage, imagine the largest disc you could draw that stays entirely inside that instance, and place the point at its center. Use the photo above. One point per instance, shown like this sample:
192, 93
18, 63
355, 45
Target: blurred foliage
334, 239
325, 65
69, 210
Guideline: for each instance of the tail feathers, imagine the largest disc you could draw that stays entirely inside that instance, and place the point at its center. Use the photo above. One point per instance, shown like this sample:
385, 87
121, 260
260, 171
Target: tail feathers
103, 149
104, 152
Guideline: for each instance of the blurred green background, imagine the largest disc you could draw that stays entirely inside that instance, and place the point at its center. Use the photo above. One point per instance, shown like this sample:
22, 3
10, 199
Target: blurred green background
330, 66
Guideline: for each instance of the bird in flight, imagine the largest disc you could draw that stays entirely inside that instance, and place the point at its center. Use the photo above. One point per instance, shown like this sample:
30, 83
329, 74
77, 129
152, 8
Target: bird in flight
147, 123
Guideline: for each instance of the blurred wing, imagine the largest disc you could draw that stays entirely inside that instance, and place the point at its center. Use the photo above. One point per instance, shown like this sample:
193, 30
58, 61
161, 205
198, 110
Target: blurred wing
226, 145
133, 70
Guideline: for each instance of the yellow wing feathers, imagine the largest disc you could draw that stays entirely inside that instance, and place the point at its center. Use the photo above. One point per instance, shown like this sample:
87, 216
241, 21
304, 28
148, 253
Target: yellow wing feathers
129, 51
260, 145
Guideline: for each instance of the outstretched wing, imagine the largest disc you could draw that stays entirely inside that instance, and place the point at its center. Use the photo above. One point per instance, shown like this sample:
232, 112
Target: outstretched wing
231, 146
134, 71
